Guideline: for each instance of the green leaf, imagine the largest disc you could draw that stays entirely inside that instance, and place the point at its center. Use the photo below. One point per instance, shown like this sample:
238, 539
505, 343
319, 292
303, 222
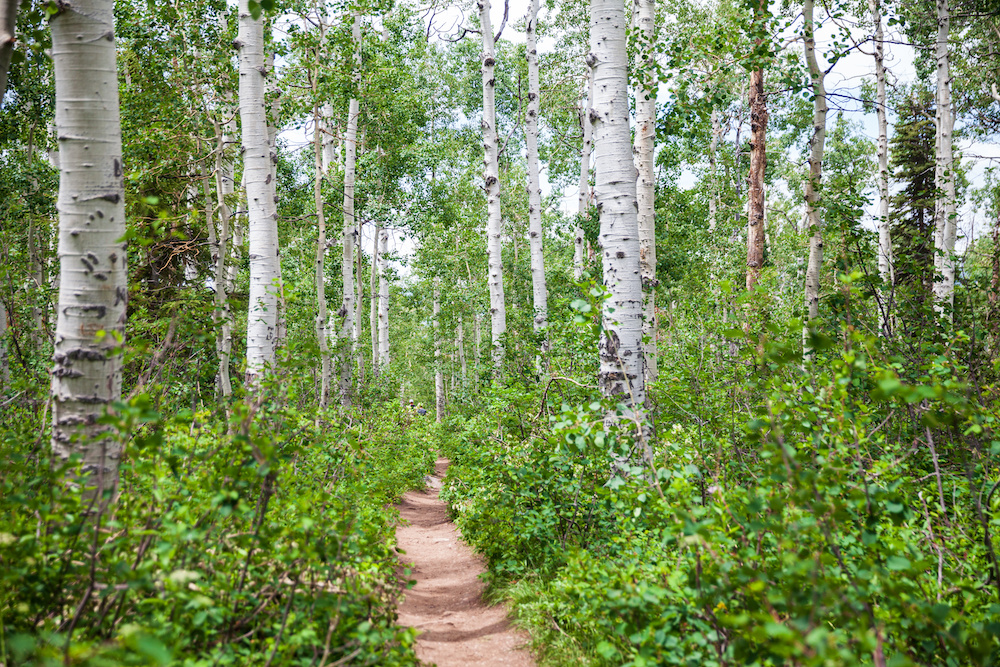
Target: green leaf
897, 563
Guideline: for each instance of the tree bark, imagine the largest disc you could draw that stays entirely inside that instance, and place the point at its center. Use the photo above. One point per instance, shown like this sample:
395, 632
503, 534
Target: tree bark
383, 299
813, 184
885, 259
713, 172
349, 237
322, 334
622, 365
4, 363
945, 212
438, 370
583, 196
373, 305
224, 188
498, 307
758, 165
539, 291
359, 305
262, 213
90, 325
645, 135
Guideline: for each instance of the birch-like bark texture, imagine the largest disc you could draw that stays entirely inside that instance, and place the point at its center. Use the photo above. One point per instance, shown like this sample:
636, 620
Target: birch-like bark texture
813, 184
93, 291
4, 363
438, 370
945, 212
758, 164
491, 175
460, 348
359, 302
330, 144
713, 171
8, 25
885, 259
373, 301
383, 299
262, 213
645, 134
622, 366
224, 188
322, 335
350, 231
583, 195
539, 292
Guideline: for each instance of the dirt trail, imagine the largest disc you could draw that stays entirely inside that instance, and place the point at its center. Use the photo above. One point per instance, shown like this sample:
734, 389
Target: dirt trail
446, 605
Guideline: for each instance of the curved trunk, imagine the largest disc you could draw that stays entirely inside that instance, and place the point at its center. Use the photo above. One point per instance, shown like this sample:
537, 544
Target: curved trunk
539, 291
814, 216
491, 175
622, 367
583, 197
262, 214
645, 135
93, 291
945, 212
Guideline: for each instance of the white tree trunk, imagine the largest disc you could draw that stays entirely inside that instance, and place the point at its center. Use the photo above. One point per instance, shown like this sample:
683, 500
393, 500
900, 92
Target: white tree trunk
498, 307
262, 214
885, 259
583, 195
330, 143
539, 292
350, 232
713, 171
90, 325
438, 370
8, 26
224, 188
460, 347
817, 143
4, 363
322, 334
945, 211
645, 136
373, 301
383, 299
622, 365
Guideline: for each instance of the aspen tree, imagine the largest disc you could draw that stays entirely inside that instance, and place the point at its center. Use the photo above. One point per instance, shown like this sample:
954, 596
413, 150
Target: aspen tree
491, 177
583, 195
885, 259
383, 299
93, 292
373, 305
539, 292
813, 183
8, 25
622, 371
4, 364
645, 135
350, 232
262, 214
713, 171
945, 211
322, 335
758, 163
224, 188
438, 370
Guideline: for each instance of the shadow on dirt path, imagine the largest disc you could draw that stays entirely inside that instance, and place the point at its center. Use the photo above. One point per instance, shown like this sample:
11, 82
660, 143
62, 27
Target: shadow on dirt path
446, 606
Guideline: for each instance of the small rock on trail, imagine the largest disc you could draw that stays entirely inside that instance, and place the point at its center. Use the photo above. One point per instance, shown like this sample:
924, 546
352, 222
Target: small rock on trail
446, 605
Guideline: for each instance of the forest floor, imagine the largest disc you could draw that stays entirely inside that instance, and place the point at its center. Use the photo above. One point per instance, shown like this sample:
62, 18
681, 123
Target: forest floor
456, 625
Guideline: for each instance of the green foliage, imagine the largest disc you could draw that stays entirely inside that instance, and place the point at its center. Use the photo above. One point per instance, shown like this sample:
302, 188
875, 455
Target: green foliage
264, 538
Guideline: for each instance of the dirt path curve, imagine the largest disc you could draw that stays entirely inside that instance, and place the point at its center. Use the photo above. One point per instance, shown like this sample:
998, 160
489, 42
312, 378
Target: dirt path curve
456, 626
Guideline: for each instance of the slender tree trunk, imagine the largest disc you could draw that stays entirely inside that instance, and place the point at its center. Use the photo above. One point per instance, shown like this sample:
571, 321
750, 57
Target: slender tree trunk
258, 156
758, 164
90, 325
8, 26
347, 340
945, 212
438, 370
373, 305
460, 348
885, 259
273, 115
4, 364
622, 365
383, 299
539, 291
713, 172
478, 337
813, 184
360, 306
498, 308
583, 196
993, 316
643, 15
225, 186
322, 334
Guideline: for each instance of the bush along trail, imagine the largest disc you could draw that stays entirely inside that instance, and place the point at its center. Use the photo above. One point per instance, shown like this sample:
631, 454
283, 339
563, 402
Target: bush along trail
265, 539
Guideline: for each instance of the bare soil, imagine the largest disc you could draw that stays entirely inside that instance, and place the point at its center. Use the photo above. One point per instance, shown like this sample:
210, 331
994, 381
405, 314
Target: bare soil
457, 627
